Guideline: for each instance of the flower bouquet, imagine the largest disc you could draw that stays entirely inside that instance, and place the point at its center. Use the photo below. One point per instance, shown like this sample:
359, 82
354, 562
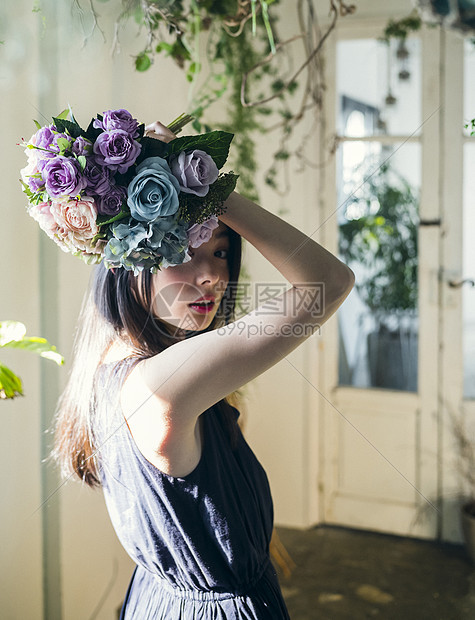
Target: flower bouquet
112, 193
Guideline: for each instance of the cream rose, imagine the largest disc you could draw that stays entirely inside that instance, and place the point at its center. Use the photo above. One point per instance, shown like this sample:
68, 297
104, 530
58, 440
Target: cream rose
76, 221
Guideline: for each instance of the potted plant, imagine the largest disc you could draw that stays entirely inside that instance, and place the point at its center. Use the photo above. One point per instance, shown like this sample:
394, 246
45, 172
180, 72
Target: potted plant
379, 237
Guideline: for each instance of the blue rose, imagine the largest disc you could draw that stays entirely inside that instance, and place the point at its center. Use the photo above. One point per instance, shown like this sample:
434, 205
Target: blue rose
153, 192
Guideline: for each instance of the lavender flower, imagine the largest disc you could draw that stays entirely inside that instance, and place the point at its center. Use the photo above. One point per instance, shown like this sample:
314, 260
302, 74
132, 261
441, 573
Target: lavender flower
63, 177
118, 119
195, 172
111, 202
98, 178
116, 150
44, 137
201, 233
82, 146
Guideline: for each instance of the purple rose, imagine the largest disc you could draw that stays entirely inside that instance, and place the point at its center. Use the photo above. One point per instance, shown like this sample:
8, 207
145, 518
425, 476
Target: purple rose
118, 119
201, 233
98, 178
35, 183
116, 150
82, 146
195, 171
55, 148
111, 202
44, 137
63, 177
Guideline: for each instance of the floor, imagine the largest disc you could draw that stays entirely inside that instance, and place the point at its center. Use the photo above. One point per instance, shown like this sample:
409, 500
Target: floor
345, 574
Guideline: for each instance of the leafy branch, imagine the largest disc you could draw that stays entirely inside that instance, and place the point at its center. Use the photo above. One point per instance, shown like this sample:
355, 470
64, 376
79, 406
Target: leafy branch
249, 65
13, 336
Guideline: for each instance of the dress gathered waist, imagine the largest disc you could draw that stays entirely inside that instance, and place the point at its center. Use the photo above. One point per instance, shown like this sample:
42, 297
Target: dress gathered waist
194, 594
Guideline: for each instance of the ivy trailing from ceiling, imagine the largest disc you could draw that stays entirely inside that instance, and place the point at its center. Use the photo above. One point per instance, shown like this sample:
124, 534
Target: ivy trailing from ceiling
400, 29
230, 50
458, 15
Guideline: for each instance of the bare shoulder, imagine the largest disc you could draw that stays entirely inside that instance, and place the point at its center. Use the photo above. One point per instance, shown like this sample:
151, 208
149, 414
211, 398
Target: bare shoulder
172, 447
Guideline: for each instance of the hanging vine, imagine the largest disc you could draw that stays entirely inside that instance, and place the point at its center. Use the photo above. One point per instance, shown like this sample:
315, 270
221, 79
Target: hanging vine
231, 50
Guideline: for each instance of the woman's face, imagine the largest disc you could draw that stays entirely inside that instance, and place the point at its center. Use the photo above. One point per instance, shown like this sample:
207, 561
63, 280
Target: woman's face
188, 295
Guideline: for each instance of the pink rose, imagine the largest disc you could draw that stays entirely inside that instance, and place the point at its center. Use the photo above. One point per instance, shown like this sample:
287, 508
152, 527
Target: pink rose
42, 214
76, 221
201, 233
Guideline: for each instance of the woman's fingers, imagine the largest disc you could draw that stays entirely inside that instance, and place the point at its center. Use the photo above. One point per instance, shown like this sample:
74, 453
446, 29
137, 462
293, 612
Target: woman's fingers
159, 131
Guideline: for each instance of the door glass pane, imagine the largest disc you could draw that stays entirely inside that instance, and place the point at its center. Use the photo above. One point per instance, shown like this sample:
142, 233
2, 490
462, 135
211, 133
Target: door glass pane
381, 81
469, 82
378, 189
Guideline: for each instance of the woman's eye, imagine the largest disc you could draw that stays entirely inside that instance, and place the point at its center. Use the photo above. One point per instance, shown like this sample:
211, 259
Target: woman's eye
221, 253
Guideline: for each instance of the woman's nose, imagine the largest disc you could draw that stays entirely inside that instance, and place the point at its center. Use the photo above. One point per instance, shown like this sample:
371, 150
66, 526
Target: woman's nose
206, 273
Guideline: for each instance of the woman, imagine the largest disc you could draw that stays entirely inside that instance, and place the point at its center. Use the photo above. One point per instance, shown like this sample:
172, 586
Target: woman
186, 495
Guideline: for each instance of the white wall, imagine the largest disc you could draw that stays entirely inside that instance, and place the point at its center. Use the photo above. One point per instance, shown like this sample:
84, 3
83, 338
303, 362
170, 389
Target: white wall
21, 564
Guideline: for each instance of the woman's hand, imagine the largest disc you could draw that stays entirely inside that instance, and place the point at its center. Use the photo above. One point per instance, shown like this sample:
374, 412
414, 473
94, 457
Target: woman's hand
159, 131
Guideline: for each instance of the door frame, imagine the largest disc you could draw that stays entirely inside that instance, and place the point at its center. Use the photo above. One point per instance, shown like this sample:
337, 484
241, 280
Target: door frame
361, 419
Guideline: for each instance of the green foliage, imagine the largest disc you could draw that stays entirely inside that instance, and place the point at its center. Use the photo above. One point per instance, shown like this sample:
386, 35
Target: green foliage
400, 29
384, 241
143, 62
215, 143
239, 55
13, 335
63, 125
243, 54
174, 30
192, 209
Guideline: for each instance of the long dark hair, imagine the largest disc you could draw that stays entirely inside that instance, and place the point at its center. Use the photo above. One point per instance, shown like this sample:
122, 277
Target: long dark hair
116, 308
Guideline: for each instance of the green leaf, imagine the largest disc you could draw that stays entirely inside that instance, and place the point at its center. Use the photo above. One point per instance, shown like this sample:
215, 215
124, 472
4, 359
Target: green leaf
38, 126
10, 383
82, 162
63, 144
142, 62
11, 331
26, 189
165, 47
103, 220
37, 345
63, 115
63, 126
215, 143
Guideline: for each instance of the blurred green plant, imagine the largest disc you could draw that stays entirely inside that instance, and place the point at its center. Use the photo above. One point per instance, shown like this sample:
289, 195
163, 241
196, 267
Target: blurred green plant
383, 238
400, 29
13, 336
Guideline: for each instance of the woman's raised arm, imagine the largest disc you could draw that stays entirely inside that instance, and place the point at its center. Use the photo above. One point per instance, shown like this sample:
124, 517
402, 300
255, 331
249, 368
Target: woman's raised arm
192, 375
299, 259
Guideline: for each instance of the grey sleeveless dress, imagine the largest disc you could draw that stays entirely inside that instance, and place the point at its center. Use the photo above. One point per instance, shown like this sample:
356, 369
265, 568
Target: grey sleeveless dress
200, 542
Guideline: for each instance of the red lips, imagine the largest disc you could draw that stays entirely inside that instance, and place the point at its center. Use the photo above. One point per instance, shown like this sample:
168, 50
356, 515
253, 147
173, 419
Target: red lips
204, 304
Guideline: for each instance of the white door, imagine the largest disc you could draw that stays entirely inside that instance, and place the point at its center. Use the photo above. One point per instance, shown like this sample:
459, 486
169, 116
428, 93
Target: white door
385, 459
457, 390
